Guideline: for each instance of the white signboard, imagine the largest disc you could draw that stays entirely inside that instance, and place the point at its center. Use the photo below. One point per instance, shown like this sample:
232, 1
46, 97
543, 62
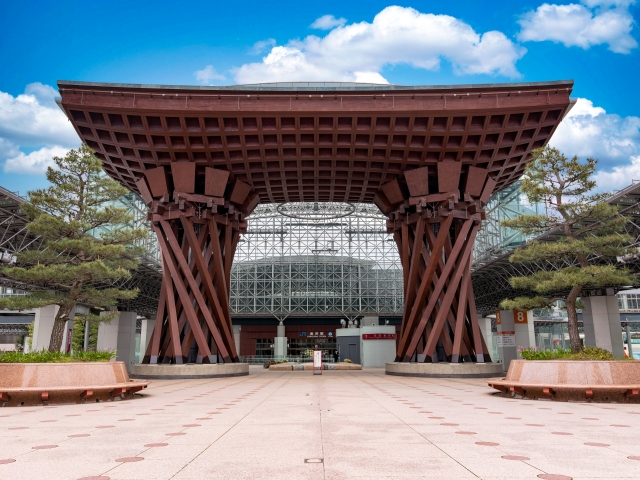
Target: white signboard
506, 340
317, 359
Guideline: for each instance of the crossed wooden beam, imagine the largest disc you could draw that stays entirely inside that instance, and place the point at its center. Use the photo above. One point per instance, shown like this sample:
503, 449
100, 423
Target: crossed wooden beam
435, 214
198, 234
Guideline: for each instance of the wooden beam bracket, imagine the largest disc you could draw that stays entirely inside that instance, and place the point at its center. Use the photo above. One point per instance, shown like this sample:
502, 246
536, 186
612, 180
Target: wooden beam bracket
197, 264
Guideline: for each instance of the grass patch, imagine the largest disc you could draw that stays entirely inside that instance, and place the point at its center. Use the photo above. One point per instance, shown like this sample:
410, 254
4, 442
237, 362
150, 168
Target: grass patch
590, 353
45, 356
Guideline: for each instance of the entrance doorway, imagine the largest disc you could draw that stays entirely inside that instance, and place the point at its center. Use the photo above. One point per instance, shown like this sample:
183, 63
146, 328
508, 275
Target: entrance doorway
303, 347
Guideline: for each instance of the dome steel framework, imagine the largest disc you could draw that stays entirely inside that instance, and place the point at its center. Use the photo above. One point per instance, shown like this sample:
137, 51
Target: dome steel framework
314, 264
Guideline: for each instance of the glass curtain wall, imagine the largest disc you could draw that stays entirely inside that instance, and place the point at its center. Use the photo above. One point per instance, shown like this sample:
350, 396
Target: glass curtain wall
316, 259
493, 239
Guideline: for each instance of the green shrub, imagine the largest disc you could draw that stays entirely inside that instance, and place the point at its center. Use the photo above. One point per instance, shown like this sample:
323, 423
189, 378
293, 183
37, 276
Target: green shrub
595, 353
30, 329
77, 342
77, 338
534, 353
589, 353
45, 356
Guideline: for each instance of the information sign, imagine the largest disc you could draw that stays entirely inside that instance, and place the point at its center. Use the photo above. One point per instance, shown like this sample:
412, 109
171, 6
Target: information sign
506, 339
317, 362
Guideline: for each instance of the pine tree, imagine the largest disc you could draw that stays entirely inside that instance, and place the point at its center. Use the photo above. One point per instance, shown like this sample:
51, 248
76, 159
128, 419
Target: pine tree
73, 263
593, 232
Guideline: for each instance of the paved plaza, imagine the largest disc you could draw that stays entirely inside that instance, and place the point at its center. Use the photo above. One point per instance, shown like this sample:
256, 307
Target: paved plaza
294, 425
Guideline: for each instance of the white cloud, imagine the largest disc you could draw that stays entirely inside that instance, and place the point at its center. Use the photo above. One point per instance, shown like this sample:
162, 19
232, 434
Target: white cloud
45, 94
208, 74
397, 35
33, 122
32, 119
259, 47
599, 22
589, 131
34, 163
327, 22
8, 149
619, 176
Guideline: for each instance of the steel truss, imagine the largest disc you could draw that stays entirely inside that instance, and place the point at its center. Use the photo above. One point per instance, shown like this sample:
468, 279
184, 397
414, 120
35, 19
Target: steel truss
316, 259
14, 237
493, 239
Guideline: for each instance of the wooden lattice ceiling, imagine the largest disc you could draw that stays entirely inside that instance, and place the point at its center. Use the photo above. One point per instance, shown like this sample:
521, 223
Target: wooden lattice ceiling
317, 145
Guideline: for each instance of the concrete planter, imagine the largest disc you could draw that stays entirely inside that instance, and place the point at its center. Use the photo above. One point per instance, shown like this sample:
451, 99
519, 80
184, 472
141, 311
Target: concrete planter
572, 380
288, 367
50, 383
443, 369
168, 372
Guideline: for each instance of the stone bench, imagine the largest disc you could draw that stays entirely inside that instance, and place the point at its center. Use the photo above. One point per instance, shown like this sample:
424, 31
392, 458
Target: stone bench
572, 380
49, 383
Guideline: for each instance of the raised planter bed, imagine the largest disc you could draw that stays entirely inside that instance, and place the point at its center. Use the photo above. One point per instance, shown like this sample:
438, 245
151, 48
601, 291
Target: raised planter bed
288, 367
572, 380
170, 372
443, 369
51, 383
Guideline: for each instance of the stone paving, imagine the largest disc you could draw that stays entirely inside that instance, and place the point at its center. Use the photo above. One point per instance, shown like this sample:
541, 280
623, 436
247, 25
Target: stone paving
294, 425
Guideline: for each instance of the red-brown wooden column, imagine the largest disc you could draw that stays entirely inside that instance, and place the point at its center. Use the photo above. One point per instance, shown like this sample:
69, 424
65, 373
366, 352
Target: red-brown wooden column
197, 216
435, 214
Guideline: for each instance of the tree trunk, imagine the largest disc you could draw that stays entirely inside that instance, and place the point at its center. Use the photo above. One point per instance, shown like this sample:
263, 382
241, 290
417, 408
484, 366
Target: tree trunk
572, 319
58, 327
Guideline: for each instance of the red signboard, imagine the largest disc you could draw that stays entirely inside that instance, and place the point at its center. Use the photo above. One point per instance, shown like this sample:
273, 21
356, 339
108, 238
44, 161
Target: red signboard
378, 336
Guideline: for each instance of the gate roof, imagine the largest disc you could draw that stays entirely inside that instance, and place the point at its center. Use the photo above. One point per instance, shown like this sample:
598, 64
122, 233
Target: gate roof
315, 141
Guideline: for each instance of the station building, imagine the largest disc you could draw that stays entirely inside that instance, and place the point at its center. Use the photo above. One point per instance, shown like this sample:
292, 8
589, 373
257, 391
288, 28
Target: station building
304, 270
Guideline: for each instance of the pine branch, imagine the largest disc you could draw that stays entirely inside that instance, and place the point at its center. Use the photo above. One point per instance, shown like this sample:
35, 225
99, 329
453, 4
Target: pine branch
592, 276
36, 299
606, 246
526, 303
87, 237
108, 317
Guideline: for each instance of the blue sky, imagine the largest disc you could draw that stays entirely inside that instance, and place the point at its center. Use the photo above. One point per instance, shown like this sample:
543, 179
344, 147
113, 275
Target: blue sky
594, 42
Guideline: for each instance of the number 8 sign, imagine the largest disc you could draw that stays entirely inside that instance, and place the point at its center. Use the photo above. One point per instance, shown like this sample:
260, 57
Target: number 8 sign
520, 317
